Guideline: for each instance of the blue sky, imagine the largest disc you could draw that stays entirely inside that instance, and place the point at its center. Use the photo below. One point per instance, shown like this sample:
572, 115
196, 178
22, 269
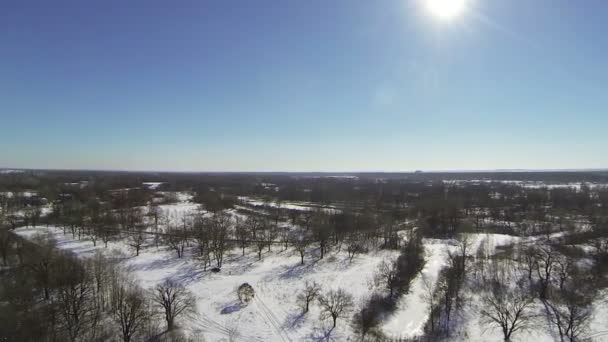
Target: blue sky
317, 85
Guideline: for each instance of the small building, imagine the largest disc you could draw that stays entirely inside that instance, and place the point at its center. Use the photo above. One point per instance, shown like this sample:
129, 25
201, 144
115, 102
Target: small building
245, 293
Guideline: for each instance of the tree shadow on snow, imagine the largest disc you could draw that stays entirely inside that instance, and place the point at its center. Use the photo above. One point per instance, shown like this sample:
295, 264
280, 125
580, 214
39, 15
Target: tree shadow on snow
321, 334
82, 250
294, 320
234, 307
297, 270
155, 264
240, 264
190, 273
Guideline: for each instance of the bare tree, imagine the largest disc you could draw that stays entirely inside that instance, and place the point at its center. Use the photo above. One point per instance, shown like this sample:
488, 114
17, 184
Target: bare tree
156, 213
481, 258
40, 261
389, 233
135, 226
464, 245
136, 240
571, 312
132, 310
429, 297
177, 238
95, 220
335, 304
321, 230
94, 234
544, 261
202, 235
507, 307
103, 271
243, 235
564, 270
300, 243
354, 246
271, 232
175, 301
527, 259
6, 240
134, 218
220, 229
253, 225
283, 233
306, 219
388, 276
32, 215
108, 228
260, 244
74, 297
276, 213
311, 292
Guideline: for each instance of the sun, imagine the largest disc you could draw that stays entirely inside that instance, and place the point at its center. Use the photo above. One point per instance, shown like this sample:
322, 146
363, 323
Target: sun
446, 9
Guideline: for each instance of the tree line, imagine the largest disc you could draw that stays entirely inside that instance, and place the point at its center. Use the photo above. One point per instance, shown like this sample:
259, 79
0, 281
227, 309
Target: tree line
47, 294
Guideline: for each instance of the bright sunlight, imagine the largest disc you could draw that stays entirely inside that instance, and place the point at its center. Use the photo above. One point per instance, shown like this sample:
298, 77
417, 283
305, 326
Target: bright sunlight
446, 9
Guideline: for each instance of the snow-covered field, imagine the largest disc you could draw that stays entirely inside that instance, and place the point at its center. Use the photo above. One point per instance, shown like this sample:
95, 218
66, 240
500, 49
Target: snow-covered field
303, 206
277, 279
10, 194
533, 184
5, 171
152, 185
412, 311
273, 315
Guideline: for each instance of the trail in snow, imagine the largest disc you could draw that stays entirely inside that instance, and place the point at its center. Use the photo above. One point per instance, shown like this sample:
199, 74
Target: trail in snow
272, 318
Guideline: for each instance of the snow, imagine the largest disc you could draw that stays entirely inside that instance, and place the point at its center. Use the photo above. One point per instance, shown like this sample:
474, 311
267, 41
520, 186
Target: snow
182, 196
152, 185
412, 311
491, 241
80, 184
473, 329
10, 171
273, 315
303, 206
599, 325
541, 330
533, 184
10, 194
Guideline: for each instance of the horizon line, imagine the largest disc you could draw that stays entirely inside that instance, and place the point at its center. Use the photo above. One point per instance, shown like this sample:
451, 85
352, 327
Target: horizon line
514, 170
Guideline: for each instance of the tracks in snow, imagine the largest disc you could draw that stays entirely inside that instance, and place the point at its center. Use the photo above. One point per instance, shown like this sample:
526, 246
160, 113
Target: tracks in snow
269, 315
215, 327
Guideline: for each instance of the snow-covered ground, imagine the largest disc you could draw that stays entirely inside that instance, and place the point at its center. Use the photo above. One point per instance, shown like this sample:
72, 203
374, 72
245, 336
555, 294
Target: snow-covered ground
412, 312
10, 194
5, 171
532, 184
541, 329
180, 196
152, 185
472, 329
274, 314
277, 278
287, 205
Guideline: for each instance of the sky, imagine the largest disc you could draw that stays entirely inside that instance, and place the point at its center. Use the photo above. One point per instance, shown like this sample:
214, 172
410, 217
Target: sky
316, 85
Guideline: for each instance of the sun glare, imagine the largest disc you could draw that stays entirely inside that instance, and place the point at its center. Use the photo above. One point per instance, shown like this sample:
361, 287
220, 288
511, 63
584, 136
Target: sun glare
445, 9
